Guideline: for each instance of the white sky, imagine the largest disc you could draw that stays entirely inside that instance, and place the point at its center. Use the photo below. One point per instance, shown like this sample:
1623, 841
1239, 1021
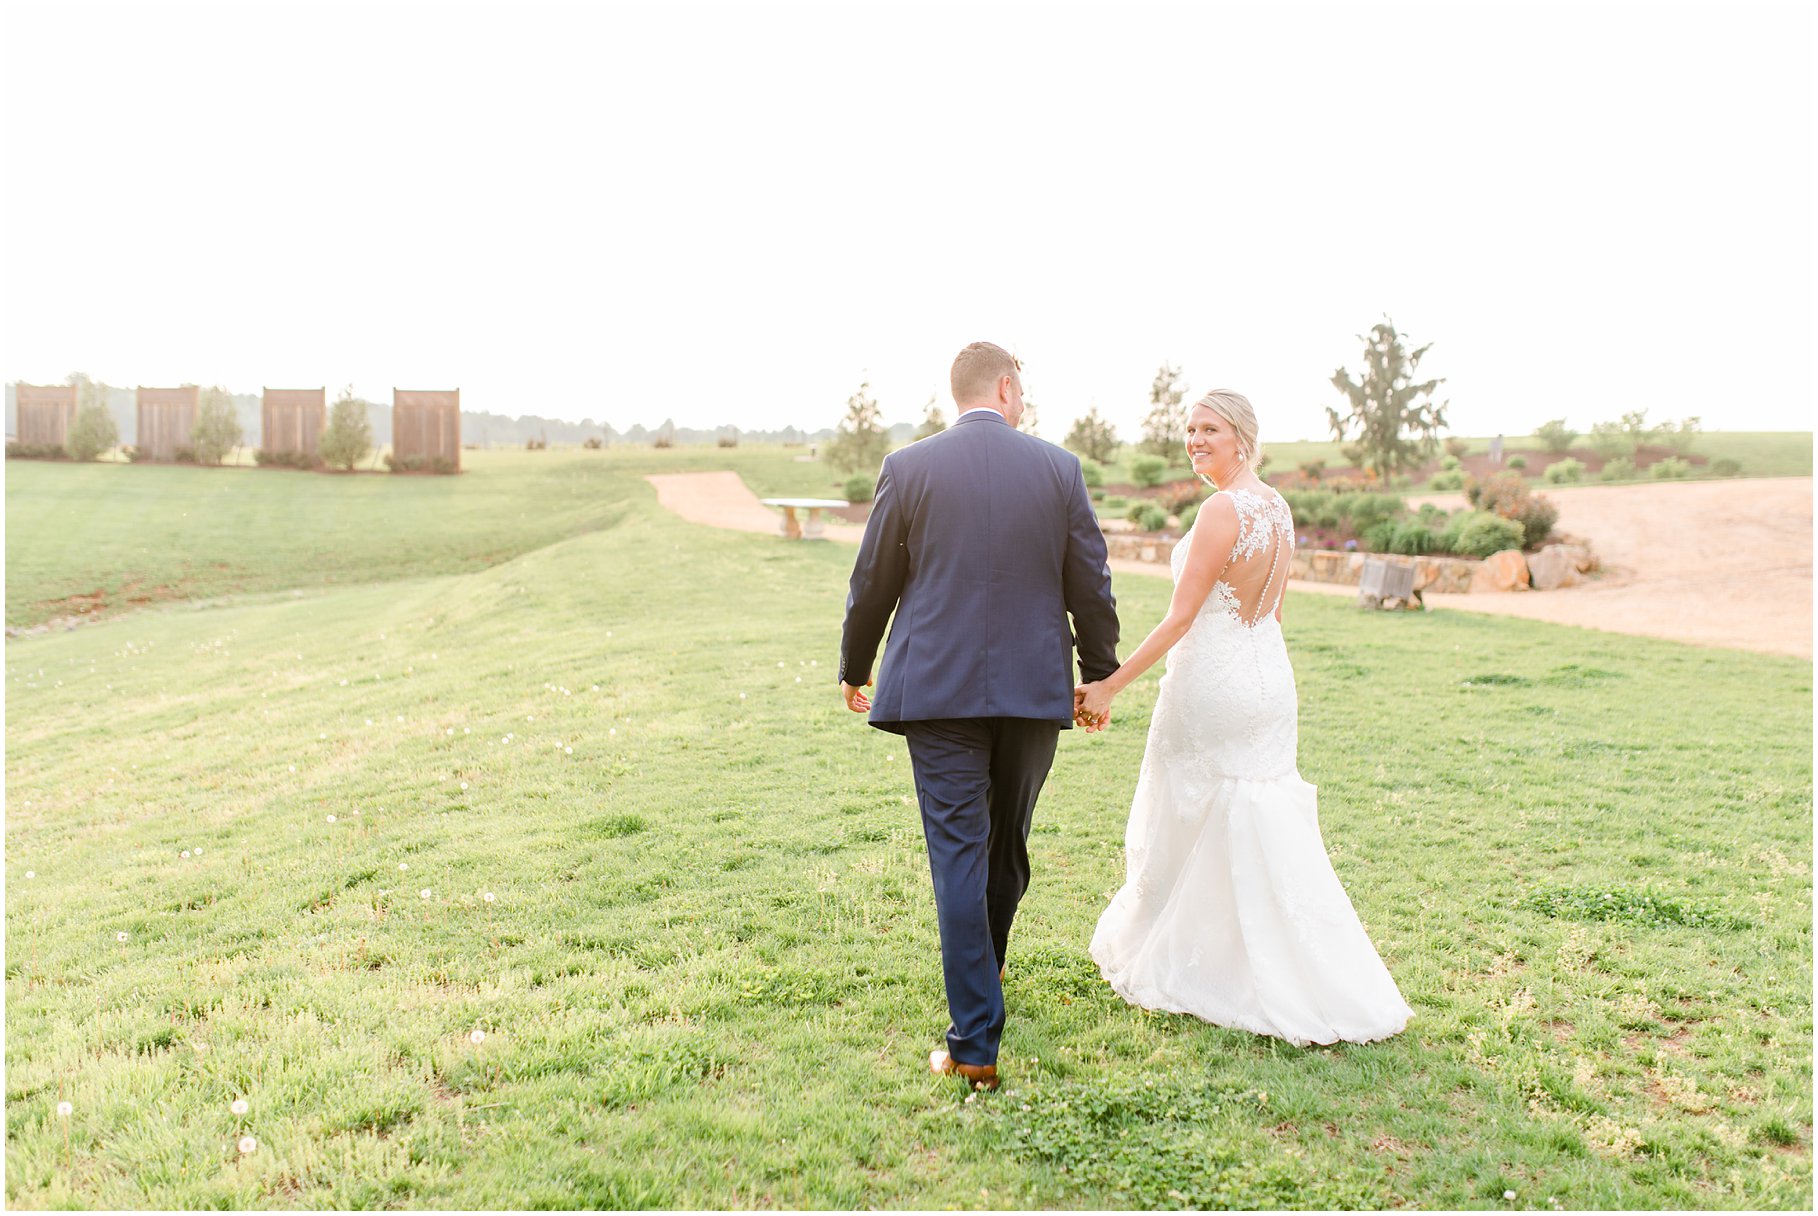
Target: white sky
733, 215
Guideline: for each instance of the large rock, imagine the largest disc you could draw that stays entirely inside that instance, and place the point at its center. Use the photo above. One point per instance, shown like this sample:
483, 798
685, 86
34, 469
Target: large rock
1505, 571
1554, 566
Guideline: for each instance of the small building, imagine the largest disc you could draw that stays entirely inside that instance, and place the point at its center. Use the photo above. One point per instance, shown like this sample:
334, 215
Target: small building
293, 419
425, 425
45, 413
165, 417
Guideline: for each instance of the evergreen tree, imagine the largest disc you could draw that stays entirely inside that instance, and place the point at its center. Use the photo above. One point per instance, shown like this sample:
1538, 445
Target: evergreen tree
1093, 436
1165, 427
859, 443
1396, 429
933, 420
349, 435
93, 430
217, 429
1026, 424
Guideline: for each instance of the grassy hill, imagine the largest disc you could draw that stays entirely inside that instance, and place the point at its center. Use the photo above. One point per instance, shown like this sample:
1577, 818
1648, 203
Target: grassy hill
709, 976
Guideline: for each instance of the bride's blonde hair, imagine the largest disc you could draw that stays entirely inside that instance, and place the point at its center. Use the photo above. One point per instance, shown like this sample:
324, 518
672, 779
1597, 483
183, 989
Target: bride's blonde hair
1235, 409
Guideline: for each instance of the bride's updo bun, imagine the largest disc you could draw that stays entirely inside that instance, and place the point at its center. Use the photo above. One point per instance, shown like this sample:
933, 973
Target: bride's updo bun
1235, 409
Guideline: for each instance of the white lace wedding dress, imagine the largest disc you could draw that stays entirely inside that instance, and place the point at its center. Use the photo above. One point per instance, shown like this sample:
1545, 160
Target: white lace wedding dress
1230, 910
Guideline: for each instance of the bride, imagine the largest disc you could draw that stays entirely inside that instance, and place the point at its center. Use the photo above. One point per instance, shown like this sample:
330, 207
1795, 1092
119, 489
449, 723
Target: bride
1230, 910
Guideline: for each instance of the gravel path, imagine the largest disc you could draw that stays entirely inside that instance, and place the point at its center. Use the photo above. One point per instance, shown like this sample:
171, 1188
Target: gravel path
1716, 563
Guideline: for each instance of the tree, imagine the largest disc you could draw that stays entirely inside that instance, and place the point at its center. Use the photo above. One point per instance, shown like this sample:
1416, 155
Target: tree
217, 430
859, 443
1092, 436
1165, 428
349, 434
1396, 429
933, 420
1556, 436
1026, 424
93, 430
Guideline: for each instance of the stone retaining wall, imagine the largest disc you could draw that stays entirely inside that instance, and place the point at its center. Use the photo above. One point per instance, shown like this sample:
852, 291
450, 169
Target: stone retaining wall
1553, 566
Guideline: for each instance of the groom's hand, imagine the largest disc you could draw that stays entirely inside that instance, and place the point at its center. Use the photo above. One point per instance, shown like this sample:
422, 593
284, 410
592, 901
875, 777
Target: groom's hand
856, 700
1093, 717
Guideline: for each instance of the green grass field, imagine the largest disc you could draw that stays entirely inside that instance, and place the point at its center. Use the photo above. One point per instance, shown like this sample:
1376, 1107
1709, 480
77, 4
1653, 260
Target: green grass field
709, 975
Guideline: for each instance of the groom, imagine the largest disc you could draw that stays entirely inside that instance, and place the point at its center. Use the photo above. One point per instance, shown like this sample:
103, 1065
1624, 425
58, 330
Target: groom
983, 541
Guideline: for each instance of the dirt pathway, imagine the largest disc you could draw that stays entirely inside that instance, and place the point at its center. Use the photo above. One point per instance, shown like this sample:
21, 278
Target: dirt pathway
1717, 563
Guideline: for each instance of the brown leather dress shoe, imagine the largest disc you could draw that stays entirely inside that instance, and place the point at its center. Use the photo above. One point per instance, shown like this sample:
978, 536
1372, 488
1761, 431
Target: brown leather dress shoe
979, 1076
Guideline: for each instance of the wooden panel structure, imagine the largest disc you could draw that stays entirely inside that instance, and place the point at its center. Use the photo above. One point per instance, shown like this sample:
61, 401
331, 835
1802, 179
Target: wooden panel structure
292, 419
165, 418
45, 412
426, 423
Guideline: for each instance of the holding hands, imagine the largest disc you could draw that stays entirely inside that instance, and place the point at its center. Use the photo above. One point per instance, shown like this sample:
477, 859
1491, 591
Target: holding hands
1092, 706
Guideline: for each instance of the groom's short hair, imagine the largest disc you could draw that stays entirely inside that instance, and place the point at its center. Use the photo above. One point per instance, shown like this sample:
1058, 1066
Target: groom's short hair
978, 368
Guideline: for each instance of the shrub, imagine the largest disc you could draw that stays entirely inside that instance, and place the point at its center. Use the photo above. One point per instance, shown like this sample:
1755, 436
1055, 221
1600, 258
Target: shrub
34, 451
1556, 436
1536, 515
1313, 470
727, 441
1181, 494
349, 434
1518, 462
1481, 533
1412, 536
217, 428
404, 464
593, 443
1678, 436
1498, 489
1610, 441
1379, 536
1148, 516
1619, 469
1115, 503
1563, 472
134, 454
184, 456
1188, 514
1451, 479
1670, 468
1402, 481
92, 432
1725, 467
1450, 462
1098, 496
443, 464
536, 445
1147, 471
1366, 509
860, 488
1093, 472
1456, 447
665, 441
287, 460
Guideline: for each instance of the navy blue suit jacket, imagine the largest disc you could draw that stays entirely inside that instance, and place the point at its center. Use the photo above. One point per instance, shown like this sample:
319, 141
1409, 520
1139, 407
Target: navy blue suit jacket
983, 541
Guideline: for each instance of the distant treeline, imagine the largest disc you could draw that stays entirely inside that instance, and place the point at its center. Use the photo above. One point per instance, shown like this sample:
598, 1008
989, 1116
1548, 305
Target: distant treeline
486, 430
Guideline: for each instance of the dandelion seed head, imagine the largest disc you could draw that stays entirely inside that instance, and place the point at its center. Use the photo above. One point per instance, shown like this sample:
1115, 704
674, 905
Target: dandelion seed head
596, 687
65, 1110
1510, 1195
120, 936
197, 850
293, 768
239, 1106
478, 1036
331, 819
184, 855
568, 751
31, 873
403, 865
425, 892
248, 1144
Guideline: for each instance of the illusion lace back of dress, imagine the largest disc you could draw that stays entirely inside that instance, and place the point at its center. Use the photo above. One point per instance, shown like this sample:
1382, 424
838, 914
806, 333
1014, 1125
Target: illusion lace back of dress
1230, 909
